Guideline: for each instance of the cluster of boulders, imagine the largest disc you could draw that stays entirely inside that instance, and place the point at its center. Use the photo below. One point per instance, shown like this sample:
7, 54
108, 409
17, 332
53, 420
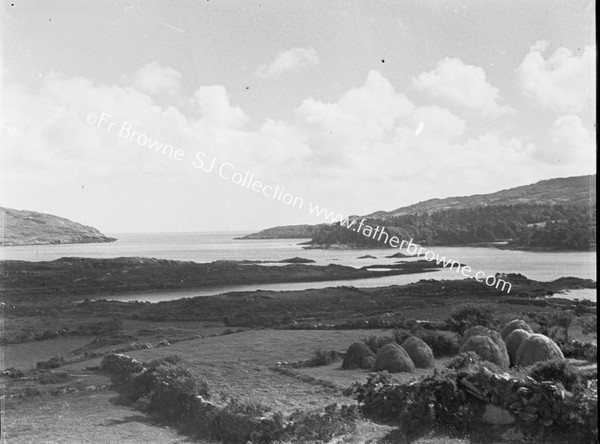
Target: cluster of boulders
515, 345
411, 354
529, 400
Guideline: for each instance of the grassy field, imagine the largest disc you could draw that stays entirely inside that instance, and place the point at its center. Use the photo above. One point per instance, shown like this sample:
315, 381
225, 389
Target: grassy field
85, 408
228, 340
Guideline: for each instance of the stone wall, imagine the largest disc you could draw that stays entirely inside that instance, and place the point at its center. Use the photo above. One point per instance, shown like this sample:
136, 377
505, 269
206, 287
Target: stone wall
546, 402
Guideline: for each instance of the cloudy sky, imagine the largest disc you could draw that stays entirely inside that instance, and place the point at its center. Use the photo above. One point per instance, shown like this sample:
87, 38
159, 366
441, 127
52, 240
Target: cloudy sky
355, 106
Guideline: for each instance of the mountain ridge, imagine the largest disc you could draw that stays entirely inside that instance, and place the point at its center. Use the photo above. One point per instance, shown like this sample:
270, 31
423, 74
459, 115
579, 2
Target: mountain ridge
582, 192
571, 198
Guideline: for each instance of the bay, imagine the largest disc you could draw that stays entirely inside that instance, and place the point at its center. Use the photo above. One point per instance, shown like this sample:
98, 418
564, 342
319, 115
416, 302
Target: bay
212, 246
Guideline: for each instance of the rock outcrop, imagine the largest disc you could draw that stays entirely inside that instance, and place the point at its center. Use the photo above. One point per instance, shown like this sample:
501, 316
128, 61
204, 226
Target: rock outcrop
31, 228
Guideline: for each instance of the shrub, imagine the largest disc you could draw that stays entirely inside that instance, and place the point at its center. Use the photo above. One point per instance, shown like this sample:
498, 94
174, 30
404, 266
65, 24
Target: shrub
419, 352
580, 350
546, 321
513, 342
556, 370
356, 356
322, 426
469, 315
121, 367
394, 359
100, 328
401, 334
13, 372
537, 348
514, 325
442, 343
487, 349
170, 388
375, 342
589, 325
167, 388
323, 357
469, 361
54, 362
53, 377
434, 401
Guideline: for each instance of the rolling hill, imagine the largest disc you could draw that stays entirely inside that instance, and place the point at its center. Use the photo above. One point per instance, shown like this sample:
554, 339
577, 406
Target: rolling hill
32, 228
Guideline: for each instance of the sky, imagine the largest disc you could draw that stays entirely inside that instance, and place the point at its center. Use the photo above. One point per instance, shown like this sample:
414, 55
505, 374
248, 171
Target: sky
147, 116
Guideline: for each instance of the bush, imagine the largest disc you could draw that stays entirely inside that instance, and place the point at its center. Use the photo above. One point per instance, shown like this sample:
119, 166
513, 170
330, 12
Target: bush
170, 388
358, 355
419, 352
442, 343
394, 359
54, 362
469, 361
469, 315
53, 377
589, 325
323, 357
487, 349
101, 327
514, 325
122, 368
552, 320
13, 372
536, 348
375, 342
556, 370
322, 426
433, 402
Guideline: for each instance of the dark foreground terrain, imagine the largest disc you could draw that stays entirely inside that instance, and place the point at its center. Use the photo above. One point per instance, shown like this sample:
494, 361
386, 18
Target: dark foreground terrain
65, 278
267, 364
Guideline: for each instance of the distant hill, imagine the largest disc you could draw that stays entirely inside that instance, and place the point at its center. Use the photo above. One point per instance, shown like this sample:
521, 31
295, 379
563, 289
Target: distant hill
286, 232
578, 190
31, 228
556, 214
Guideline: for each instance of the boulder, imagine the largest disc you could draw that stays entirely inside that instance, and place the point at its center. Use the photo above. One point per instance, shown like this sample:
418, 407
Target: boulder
514, 325
478, 330
537, 348
486, 349
513, 342
419, 352
394, 359
357, 356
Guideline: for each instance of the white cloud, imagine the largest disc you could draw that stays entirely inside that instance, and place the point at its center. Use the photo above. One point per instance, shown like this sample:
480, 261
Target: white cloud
572, 144
214, 106
462, 85
290, 60
154, 78
564, 82
362, 147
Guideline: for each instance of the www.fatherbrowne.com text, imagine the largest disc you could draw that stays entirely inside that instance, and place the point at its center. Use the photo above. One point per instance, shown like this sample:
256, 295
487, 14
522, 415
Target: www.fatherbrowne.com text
378, 233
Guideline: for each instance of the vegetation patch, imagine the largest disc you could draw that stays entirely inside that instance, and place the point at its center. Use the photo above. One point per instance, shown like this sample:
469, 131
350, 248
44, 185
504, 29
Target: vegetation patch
167, 389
